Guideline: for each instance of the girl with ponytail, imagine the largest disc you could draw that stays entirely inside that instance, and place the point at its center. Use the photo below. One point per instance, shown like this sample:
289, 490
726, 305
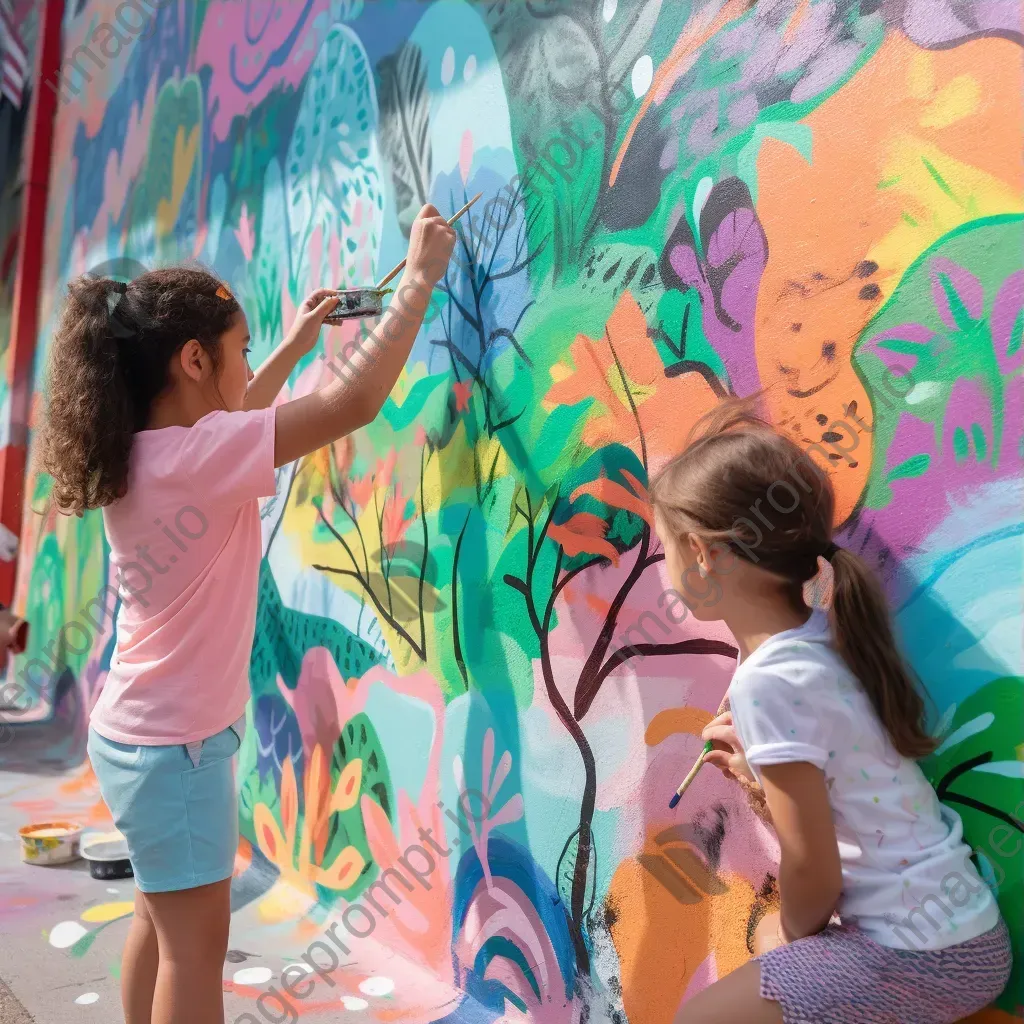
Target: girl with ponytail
883, 914
154, 416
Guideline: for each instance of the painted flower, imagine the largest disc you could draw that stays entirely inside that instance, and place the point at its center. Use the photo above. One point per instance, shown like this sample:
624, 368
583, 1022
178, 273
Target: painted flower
246, 232
297, 850
584, 533
621, 372
395, 523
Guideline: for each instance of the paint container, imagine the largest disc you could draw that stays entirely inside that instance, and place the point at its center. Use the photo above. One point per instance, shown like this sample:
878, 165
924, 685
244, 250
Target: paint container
50, 842
107, 855
356, 303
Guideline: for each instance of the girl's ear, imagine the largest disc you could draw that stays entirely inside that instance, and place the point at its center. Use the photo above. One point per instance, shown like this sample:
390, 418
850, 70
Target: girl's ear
701, 553
193, 359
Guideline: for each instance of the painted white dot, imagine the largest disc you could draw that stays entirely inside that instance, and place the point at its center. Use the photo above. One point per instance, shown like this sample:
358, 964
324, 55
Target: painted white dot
305, 968
114, 892
88, 998
643, 75
252, 976
609, 9
65, 934
470, 69
448, 66
354, 1003
377, 986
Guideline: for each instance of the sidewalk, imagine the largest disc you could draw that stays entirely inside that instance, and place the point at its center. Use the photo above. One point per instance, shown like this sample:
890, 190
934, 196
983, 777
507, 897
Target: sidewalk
63, 932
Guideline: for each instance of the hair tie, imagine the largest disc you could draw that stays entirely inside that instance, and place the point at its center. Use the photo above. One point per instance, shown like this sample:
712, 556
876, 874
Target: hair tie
118, 290
829, 553
819, 590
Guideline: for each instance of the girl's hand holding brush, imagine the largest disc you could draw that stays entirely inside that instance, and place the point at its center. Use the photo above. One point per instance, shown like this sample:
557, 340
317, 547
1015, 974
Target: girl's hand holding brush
726, 749
727, 755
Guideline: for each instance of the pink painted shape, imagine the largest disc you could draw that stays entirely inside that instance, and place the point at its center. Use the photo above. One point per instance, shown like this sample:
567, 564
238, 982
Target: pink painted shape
705, 975
466, 156
247, 48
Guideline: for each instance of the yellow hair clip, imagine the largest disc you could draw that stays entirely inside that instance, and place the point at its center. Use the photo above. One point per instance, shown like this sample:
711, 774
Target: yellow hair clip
223, 293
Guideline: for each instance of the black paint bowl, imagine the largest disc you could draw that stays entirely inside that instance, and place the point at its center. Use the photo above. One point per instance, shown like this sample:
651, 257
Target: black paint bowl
107, 855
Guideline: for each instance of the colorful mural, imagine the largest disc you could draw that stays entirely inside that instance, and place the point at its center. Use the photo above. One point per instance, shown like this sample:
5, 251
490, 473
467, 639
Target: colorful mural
464, 628
14, 104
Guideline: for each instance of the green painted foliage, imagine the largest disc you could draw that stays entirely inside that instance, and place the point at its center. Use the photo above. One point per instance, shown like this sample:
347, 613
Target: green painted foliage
979, 771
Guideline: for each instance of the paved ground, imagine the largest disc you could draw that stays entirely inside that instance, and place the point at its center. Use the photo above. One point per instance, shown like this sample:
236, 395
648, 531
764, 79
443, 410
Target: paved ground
63, 931
11, 1011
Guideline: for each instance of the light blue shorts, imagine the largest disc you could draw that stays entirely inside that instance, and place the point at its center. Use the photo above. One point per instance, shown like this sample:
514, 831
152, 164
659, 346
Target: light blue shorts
176, 806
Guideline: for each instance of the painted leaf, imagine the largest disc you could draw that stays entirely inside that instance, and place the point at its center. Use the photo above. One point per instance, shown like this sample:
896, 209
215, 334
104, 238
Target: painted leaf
405, 129
289, 803
346, 791
638, 488
316, 810
617, 496
1016, 336
976, 771
957, 293
917, 465
343, 872
582, 534
268, 836
726, 274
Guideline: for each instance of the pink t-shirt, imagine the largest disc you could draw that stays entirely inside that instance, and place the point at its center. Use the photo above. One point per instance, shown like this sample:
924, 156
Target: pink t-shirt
185, 556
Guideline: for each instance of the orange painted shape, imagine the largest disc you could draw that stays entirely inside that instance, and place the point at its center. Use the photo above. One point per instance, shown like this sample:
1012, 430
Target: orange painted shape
828, 221
666, 913
690, 721
667, 407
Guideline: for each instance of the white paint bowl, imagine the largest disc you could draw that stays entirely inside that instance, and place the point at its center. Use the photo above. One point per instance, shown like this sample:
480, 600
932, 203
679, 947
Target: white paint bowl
50, 842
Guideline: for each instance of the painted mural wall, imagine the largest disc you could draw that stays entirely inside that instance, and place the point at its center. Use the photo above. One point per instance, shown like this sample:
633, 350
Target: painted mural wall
464, 623
14, 106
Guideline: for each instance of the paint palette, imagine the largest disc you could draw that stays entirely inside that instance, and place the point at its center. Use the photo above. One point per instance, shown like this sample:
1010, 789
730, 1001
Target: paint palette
356, 303
50, 842
107, 855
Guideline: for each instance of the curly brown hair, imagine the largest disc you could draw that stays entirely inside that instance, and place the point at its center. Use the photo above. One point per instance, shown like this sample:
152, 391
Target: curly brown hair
109, 360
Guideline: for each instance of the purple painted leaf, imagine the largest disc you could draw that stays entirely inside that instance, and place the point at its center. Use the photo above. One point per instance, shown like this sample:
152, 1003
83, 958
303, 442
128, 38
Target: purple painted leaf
683, 261
967, 428
1008, 322
900, 347
828, 67
938, 24
737, 257
957, 293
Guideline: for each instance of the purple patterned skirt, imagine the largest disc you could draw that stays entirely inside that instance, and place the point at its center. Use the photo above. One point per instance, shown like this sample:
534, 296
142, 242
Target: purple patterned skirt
840, 976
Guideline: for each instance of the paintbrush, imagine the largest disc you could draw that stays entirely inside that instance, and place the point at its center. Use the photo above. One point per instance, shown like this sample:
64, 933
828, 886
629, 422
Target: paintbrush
699, 763
685, 784
401, 266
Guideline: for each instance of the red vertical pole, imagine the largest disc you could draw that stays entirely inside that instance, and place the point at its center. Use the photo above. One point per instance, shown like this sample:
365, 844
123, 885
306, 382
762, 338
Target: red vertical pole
38, 152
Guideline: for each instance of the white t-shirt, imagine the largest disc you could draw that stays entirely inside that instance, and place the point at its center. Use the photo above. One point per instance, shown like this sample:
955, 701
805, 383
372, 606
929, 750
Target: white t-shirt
908, 881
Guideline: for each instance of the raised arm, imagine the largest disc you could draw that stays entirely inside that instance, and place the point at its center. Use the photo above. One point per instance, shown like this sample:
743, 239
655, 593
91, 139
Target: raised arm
302, 338
368, 369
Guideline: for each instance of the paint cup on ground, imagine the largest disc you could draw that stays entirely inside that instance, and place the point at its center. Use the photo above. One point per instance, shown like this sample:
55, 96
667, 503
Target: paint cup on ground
107, 855
50, 842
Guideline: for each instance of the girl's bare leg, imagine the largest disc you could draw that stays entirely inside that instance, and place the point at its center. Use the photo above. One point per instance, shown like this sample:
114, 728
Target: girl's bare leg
139, 966
734, 999
192, 929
